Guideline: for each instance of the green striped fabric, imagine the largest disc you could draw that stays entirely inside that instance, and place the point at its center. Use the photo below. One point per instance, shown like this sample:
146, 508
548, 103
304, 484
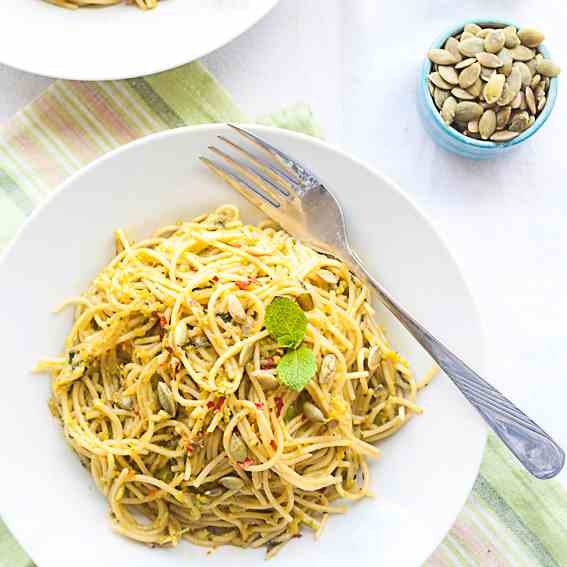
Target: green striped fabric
510, 519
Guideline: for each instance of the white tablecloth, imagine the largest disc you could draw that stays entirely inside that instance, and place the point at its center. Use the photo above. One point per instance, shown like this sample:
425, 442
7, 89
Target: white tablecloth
357, 62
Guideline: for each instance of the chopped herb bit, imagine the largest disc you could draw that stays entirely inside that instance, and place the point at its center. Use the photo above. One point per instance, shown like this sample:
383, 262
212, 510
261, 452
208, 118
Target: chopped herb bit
225, 317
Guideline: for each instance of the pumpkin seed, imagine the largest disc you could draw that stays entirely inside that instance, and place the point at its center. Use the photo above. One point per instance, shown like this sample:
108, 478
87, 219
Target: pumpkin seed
511, 88
519, 122
541, 103
327, 275
266, 379
465, 63
476, 89
237, 449
469, 75
511, 38
441, 57
231, 482
472, 127
245, 355
502, 117
535, 81
507, 61
547, 68
126, 402
485, 73
471, 46
489, 60
493, 88
439, 96
530, 37
448, 74
166, 399
546, 82
503, 136
522, 53
452, 46
473, 29
465, 35
374, 358
235, 309
448, 110
530, 100
305, 300
484, 32
494, 41
525, 73
313, 413
539, 91
181, 333
487, 124
467, 111
523, 104
436, 79
462, 94
213, 492
532, 64
328, 369
517, 102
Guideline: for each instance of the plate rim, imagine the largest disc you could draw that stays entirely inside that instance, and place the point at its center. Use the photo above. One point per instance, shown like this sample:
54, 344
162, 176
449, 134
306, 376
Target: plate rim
51, 72
480, 363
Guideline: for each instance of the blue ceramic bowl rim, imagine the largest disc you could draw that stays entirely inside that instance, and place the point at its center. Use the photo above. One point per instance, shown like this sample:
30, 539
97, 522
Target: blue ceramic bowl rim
473, 142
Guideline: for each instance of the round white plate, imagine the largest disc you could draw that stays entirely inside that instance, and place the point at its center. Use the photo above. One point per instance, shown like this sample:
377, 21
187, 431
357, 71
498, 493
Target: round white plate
48, 499
119, 42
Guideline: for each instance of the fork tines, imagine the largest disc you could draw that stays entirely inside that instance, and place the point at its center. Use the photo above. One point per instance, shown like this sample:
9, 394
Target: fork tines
262, 181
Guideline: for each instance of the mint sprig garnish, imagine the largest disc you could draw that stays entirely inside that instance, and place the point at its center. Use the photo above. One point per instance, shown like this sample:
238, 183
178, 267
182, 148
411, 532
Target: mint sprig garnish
286, 322
297, 367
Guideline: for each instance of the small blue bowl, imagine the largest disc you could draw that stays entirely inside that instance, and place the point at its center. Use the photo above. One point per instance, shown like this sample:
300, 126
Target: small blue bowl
452, 140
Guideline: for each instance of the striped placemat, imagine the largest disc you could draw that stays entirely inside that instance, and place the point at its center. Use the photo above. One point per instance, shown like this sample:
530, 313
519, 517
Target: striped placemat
510, 519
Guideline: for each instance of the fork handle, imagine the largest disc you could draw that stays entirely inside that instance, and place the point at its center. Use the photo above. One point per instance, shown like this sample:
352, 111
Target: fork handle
532, 446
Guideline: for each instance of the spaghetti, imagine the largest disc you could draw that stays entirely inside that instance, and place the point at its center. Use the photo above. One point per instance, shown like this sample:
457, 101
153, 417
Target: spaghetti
168, 388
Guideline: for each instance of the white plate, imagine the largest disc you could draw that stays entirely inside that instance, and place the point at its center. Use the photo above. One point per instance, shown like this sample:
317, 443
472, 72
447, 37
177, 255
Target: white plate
120, 41
49, 501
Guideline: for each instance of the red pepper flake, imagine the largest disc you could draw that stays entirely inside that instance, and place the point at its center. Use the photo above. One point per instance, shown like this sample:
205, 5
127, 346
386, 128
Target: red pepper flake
215, 279
220, 403
242, 284
246, 462
259, 405
210, 404
162, 321
189, 448
279, 406
297, 535
273, 445
152, 492
169, 349
267, 363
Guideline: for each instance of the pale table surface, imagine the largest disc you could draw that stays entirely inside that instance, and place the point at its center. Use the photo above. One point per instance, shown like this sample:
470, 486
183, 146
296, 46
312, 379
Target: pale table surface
357, 64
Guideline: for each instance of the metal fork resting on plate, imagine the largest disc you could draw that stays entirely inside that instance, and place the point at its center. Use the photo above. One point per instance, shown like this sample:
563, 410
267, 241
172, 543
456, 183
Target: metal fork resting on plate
295, 198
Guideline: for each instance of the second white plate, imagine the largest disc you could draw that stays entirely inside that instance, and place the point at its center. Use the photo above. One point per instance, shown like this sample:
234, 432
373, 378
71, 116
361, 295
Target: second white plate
119, 42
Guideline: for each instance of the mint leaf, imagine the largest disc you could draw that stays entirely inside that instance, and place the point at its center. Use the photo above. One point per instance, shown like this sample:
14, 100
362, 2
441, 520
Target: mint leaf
286, 322
297, 368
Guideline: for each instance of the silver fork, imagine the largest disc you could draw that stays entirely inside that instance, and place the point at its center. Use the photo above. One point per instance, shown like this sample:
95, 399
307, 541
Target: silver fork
295, 198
